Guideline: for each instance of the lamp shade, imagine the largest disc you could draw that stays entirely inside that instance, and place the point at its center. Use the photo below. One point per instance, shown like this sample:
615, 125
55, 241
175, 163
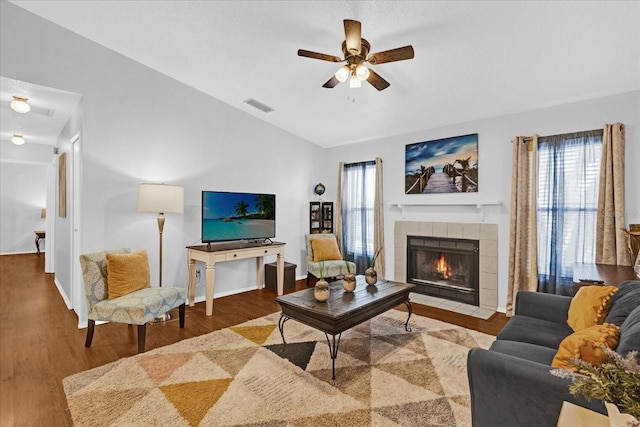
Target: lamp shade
160, 198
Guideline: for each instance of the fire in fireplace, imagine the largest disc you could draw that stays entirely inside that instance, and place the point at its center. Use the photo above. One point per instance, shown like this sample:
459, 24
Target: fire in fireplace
444, 267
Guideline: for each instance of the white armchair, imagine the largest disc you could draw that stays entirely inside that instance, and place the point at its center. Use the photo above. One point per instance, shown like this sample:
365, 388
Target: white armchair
333, 264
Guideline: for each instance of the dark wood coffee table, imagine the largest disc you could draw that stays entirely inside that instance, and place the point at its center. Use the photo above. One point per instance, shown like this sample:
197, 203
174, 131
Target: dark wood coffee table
343, 310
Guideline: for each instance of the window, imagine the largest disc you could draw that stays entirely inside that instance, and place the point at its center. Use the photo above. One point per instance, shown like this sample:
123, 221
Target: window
358, 195
568, 179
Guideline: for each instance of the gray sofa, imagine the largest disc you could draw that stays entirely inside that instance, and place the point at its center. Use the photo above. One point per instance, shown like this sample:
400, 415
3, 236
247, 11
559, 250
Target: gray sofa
511, 384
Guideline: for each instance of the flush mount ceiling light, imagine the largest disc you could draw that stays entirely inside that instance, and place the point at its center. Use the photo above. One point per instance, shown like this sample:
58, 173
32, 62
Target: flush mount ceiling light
17, 139
19, 105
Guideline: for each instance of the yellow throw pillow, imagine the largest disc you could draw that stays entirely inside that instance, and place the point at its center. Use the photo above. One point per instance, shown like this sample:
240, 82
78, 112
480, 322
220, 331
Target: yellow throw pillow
325, 249
590, 306
586, 345
127, 273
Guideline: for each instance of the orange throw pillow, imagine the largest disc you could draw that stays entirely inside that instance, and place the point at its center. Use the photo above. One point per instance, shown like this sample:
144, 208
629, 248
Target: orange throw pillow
586, 345
127, 273
590, 306
325, 249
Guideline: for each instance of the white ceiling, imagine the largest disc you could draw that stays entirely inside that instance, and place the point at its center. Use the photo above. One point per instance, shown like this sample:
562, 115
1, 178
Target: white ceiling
473, 59
50, 112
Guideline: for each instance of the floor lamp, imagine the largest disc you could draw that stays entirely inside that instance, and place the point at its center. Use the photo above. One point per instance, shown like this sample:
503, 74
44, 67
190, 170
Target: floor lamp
160, 198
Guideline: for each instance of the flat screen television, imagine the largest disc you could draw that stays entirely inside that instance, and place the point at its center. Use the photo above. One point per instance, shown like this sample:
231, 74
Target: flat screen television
237, 216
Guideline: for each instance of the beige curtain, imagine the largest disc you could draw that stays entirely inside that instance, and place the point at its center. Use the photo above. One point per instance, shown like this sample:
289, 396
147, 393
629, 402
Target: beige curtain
611, 245
378, 218
338, 212
523, 258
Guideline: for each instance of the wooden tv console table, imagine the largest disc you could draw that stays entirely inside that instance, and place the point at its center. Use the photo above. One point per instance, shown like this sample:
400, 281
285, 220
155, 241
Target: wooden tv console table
232, 251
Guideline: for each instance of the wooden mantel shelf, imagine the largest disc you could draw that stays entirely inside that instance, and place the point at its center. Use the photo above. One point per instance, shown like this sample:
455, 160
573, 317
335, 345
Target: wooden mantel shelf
480, 205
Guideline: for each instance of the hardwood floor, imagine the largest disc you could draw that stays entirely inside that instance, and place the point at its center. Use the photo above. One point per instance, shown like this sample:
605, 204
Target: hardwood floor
40, 343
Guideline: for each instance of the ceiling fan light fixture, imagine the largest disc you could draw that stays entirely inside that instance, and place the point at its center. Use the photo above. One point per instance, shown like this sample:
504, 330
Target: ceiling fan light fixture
362, 72
342, 74
19, 105
355, 51
355, 82
17, 139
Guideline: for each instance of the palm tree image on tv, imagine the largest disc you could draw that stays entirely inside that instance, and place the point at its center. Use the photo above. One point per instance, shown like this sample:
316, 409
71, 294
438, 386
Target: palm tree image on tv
237, 216
241, 208
266, 205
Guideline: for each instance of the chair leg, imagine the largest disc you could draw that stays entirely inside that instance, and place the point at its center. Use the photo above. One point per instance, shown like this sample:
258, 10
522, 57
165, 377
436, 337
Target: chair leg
181, 312
309, 281
90, 328
142, 332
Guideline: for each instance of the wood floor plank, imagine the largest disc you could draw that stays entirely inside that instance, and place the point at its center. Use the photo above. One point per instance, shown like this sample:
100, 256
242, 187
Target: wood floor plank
40, 343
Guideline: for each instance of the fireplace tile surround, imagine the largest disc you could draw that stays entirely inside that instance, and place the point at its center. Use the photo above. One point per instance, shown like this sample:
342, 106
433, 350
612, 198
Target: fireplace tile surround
487, 234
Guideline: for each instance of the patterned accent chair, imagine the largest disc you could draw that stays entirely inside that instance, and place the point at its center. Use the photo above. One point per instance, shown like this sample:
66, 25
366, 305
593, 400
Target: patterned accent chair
332, 269
135, 308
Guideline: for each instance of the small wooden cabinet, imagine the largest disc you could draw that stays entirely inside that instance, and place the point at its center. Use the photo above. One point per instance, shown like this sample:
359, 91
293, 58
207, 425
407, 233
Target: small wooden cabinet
320, 217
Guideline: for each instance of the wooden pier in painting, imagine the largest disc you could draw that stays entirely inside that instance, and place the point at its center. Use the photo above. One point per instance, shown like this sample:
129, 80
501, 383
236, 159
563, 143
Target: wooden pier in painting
440, 183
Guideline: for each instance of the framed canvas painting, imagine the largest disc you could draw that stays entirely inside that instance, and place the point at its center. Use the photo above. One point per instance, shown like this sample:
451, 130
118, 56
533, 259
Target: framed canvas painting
448, 165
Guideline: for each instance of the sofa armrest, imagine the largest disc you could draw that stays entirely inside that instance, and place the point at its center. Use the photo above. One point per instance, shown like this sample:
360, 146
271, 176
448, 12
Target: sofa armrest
509, 391
554, 308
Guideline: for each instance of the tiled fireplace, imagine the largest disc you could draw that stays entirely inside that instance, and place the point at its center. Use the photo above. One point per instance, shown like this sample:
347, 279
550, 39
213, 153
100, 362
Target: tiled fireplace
444, 267
453, 265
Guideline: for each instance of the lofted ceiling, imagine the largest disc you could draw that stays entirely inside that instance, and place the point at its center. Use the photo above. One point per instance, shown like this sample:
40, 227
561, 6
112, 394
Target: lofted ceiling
473, 59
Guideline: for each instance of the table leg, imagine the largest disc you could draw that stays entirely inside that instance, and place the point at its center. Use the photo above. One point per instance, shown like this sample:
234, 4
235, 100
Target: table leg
333, 351
38, 245
409, 308
191, 268
210, 274
280, 272
281, 321
260, 272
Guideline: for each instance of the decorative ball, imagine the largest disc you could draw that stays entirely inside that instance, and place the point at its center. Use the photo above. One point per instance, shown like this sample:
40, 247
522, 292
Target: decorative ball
319, 189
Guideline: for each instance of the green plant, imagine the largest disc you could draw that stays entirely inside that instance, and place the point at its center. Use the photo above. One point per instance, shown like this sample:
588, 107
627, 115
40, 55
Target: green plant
375, 256
346, 263
616, 381
321, 270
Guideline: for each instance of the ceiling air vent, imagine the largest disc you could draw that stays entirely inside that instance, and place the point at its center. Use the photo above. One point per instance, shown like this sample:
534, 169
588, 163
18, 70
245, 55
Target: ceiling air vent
259, 105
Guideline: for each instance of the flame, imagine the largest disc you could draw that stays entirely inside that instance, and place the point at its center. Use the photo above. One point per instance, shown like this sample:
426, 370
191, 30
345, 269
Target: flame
443, 268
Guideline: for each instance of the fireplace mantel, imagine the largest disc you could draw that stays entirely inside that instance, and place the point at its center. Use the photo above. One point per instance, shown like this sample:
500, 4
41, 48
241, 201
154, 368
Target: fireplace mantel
480, 205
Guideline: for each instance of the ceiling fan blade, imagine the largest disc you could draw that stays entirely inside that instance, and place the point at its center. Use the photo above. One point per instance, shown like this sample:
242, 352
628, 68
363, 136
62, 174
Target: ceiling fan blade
392, 55
316, 55
331, 83
376, 81
353, 36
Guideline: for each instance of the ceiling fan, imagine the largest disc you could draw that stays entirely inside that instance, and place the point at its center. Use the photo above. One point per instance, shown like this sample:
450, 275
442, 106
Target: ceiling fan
356, 53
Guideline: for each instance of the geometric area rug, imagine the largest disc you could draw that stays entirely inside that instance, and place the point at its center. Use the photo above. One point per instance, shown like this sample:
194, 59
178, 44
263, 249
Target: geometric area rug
245, 376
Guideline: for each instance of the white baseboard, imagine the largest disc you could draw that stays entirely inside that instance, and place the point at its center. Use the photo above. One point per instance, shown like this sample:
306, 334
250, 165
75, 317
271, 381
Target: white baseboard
82, 325
203, 298
21, 253
62, 294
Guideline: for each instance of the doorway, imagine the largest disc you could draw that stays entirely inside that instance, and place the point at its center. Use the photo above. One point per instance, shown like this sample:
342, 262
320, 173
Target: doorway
77, 293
